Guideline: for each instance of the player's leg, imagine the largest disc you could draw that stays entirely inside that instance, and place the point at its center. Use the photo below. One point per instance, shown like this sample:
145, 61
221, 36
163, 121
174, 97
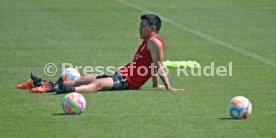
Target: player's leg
105, 82
83, 80
97, 85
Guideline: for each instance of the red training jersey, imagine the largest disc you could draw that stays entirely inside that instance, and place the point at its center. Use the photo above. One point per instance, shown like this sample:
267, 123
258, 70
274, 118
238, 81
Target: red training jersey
138, 71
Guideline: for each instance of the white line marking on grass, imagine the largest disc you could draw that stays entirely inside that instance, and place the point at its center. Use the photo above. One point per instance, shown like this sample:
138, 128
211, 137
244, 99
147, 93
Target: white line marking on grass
204, 36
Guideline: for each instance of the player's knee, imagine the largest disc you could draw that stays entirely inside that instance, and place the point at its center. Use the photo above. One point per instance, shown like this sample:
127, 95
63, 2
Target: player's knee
96, 86
80, 78
74, 82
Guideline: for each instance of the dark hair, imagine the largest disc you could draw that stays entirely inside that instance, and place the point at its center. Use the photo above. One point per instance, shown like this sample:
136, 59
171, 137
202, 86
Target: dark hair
152, 20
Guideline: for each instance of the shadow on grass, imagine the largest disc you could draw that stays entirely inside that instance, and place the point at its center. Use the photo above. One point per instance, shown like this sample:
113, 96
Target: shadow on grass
61, 114
229, 118
226, 118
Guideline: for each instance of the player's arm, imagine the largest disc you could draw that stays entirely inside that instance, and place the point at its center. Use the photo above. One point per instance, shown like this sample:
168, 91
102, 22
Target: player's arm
155, 82
155, 49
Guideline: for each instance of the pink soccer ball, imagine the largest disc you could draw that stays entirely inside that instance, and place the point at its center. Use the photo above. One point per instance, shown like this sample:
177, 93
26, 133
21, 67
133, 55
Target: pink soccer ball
73, 103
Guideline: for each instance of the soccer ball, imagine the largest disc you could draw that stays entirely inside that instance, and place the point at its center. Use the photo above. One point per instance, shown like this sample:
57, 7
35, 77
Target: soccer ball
70, 74
240, 107
73, 103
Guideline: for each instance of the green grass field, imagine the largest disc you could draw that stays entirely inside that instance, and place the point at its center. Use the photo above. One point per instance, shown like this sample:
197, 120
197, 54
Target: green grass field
101, 33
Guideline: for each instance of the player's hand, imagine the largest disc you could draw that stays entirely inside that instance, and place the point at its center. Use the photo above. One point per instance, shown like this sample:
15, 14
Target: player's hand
175, 90
161, 86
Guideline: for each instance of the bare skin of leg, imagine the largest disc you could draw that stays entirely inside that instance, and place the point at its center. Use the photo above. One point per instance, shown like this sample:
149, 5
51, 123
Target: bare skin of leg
83, 80
96, 85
